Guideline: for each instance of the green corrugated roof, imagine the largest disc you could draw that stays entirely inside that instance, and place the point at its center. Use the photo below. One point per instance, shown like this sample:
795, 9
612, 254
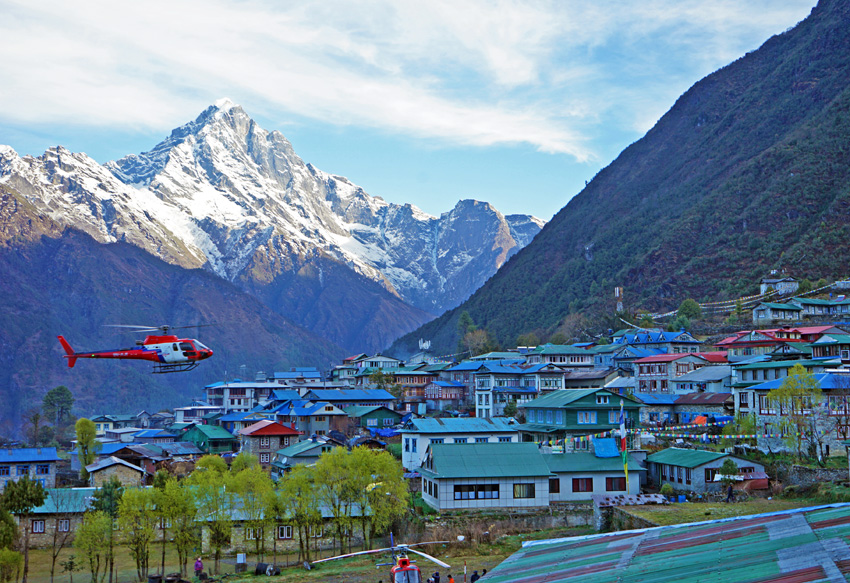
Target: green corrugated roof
587, 462
776, 306
213, 432
556, 399
361, 410
487, 460
558, 349
686, 458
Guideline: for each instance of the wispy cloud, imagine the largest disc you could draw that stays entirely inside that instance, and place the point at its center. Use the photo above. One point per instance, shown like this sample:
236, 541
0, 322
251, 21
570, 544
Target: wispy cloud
543, 73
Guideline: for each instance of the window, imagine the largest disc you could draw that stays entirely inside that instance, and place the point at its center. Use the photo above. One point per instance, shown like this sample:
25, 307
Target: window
461, 439
504, 440
602, 399
559, 417
406, 444
481, 440
37, 526
687, 475
709, 474
413, 443
586, 417
746, 470
371, 423
679, 474
42, 469
615, 484
437, 440
549, 417
613, 416
4, 470
743, 399
476, 492
284, 531
63, 525
554, 485
663, 471
582, 484
315, 533
265, 442
23, 470
265, 458
523, 490
253, 533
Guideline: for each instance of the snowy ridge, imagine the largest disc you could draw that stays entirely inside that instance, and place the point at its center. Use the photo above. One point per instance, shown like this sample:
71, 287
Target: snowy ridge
223, 193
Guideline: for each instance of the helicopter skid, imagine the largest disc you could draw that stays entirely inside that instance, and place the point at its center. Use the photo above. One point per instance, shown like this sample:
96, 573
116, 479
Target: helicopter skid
160, 368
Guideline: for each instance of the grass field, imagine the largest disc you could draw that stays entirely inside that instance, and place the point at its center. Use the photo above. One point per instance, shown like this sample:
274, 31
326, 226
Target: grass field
699, 512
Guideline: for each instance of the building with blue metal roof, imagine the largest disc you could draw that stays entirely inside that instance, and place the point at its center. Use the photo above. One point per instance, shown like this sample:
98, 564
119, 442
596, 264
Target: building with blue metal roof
36, 463
418, 434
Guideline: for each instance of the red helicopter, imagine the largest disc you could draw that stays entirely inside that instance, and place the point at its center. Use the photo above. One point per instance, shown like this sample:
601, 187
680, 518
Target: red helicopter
403, 569
168, 352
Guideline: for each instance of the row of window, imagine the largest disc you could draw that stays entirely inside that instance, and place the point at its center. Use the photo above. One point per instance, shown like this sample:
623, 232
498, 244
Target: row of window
24, 470
62, 525
582, 417
527, 490
284, 531
410, 443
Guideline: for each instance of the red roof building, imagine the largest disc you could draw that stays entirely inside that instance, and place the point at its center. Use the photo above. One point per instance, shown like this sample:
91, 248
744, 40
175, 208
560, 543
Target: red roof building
266, 437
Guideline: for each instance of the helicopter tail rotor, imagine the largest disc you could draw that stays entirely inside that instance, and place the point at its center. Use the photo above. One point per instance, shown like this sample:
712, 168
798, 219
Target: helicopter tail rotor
69, 352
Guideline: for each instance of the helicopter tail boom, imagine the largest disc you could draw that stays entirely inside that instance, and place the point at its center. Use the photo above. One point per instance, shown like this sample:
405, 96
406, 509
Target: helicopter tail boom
69, 352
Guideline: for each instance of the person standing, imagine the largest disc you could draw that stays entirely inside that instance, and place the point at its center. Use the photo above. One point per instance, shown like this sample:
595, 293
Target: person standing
199, 566
451, 579
436, 577
475, 577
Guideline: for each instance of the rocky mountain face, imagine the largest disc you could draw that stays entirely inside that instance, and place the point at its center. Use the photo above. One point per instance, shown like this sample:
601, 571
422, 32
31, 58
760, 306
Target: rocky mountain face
747, 172
59, 280
222, 194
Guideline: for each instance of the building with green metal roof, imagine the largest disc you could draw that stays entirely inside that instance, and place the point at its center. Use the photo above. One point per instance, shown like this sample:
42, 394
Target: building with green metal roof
694, 469
466, 476
580, 475
211, 439
574, 413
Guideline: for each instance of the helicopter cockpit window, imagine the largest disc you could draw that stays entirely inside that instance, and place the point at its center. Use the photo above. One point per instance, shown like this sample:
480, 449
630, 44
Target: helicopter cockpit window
200, 346
174, 347
186, 346
409, 576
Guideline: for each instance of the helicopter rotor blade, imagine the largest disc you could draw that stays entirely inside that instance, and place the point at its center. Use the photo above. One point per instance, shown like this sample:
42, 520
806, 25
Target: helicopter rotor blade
353, 555
429, 557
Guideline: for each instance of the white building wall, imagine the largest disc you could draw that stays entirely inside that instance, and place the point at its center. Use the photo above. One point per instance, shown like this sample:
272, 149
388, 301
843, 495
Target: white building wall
567, 495
445, 494
413, 459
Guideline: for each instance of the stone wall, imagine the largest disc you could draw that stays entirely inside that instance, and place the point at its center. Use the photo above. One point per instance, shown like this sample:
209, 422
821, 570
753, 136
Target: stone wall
803, 476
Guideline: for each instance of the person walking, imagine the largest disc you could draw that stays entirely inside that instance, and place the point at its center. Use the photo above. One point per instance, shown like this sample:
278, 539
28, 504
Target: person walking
730, 494
199, 566
484, 572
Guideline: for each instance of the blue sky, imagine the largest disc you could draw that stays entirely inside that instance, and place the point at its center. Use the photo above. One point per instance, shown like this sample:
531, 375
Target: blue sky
427, 102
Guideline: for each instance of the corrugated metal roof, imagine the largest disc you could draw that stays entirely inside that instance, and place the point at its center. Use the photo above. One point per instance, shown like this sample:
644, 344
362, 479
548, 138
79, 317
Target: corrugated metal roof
587, 462
686, 458
792, 546
487, 460
460, 425
28, 454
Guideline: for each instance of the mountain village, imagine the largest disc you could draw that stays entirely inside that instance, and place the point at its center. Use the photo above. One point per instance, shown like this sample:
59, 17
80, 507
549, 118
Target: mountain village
636, 418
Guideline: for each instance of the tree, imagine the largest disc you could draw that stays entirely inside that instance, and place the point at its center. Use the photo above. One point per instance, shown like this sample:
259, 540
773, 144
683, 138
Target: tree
679, 323
57, 404
510, 409
137, 519
21, 497
795, 401
476, 342
87, 444
334, 489
60, 503
728, 470
180, 509
8, 529
386, 493
253, 486
106, 499
741, 425
10, 565
465, 323
95, 528
244, 461
214, 501
386, 381
298, 495
690, 309
529, 339
37, 432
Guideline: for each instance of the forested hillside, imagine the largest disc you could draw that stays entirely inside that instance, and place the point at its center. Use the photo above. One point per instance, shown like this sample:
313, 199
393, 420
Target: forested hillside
748, 171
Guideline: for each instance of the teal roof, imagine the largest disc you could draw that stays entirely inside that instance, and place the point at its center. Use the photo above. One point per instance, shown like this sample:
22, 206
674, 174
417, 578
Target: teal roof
461, 425
213, 432
297, 449
556, 399
558, 349
776, 306
686, 458
587, 462
65, 500
486, 460
793, 545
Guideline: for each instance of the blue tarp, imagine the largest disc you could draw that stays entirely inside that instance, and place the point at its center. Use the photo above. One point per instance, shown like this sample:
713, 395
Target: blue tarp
383, 432
605, 447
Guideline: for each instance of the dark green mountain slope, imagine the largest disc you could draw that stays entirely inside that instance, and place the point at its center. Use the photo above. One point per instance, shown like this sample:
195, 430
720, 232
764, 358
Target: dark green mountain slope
748, 171
66, 283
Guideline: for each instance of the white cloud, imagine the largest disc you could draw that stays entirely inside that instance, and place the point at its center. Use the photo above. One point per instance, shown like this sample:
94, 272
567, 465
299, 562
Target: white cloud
480, 73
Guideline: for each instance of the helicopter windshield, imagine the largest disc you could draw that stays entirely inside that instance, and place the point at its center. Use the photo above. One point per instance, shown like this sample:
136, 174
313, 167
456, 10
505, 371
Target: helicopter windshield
200, 346
407, 576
